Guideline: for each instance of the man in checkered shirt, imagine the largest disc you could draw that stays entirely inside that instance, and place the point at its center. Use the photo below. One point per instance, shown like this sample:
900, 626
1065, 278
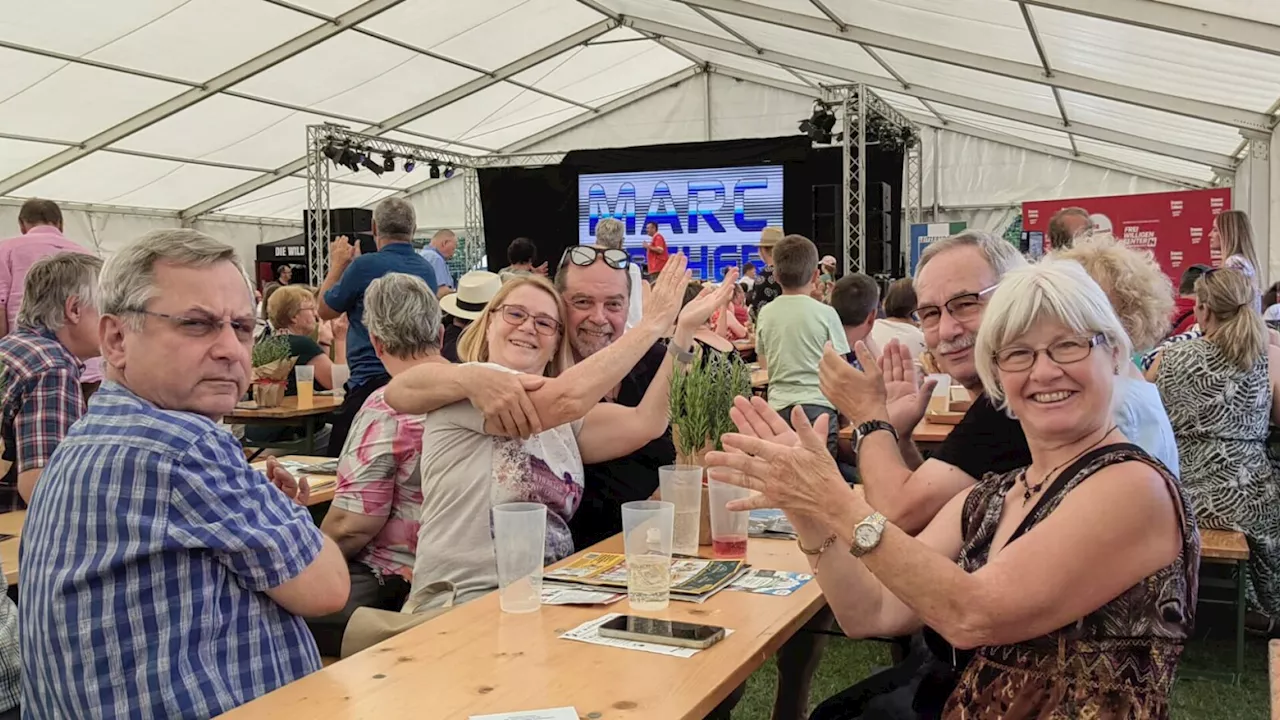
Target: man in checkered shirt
40, 365
162, 577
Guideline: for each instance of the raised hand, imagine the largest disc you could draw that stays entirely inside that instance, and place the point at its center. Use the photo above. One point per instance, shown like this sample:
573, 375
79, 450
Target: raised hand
754, 418
664, 301
905, 397
700, 310
342, 252
858, 394
800, 478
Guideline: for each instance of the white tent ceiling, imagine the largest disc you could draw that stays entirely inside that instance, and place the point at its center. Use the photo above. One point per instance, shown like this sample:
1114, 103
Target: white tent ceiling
199, 106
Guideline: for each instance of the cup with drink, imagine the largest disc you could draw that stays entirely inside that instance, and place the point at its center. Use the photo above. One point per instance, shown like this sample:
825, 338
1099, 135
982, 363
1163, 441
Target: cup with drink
305, 377
519, 539
647, 531
681, 485
940, 400
728, 527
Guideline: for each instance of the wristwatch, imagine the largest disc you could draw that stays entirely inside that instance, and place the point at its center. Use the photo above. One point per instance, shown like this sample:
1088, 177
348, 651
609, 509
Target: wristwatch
866, 534
869, 427
684, 357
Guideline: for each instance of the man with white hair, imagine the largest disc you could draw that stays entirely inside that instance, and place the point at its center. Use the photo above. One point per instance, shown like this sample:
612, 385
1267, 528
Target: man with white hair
41, 363
350, 273
438, 253
193, 567
610, 233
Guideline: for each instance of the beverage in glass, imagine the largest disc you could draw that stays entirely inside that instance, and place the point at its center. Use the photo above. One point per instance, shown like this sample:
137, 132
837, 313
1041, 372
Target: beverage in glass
305, 376
681, 486
647, 529
940, 400
728, 527
519, 539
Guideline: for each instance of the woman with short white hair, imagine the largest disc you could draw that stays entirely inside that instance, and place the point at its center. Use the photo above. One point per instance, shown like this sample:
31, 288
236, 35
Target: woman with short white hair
1060, 623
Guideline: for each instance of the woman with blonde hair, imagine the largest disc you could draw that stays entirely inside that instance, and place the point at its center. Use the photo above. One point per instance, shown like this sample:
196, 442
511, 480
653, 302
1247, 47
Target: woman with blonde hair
1219, 399
1232, 237
1142, 297
517, 421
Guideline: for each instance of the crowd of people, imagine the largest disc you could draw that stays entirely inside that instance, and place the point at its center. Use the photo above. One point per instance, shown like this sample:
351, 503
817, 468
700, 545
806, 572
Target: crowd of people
163, 576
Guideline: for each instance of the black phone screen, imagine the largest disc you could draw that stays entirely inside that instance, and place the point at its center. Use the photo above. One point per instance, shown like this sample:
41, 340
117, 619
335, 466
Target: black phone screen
662, 628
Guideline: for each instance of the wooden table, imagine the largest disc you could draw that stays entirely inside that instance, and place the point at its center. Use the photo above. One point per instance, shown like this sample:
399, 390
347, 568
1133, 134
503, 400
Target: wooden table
1231, 548
288, 414
477, 660
322, 485
926, 433
759, 379
1273, 675
11, 524
745, 345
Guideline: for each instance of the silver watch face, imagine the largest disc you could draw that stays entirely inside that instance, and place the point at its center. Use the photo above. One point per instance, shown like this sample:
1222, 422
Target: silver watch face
865, 536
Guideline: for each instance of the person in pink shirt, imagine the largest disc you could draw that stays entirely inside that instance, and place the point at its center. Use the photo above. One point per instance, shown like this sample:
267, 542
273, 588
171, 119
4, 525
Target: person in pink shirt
40, 222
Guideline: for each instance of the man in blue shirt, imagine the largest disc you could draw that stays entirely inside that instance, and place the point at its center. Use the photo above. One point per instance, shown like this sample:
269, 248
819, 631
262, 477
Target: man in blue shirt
443, 245
350, 273
162, 577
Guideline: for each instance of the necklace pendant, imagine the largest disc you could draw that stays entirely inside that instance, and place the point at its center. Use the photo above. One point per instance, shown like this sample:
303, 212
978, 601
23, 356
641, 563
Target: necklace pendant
1026, 496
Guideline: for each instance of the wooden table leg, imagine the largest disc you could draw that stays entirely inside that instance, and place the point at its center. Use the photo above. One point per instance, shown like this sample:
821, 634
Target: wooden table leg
1241, 568
311, 434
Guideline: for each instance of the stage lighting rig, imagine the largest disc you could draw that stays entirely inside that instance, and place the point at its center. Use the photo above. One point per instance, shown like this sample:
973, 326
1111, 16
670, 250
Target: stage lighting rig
449, 170
371, 166
389, 162
409, 164
818, 126
435, 170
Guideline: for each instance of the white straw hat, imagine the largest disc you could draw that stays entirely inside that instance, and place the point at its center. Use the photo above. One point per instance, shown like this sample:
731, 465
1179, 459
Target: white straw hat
475, 290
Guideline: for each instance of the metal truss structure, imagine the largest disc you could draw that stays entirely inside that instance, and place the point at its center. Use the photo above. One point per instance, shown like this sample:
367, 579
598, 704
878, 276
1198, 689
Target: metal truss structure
857, 102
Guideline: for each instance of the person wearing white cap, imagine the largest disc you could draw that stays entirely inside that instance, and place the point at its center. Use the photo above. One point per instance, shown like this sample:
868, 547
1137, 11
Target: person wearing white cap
475, 290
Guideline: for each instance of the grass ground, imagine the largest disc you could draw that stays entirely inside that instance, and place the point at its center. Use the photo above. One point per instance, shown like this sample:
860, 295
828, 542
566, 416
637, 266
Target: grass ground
1203, 690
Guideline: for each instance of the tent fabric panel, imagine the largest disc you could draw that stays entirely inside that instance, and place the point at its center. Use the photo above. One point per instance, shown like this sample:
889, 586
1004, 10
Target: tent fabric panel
1142, 159
416, 140
745, 109
1009, 127
1159, 61
77, 28
974, 83
802, 7
671, 13
332, 8
275, 200
18, 154
114, 179
351, 72
71, 102
486, 34
1260, 10
201, 39
746, 64
230, 130
806, 45
489, 110
1155, 124
593, 73
900, 101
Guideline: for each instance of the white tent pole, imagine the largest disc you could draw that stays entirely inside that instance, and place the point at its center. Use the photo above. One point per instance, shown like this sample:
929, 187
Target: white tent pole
154, 213
1212, 112
1180, 20
271, 58
413, 113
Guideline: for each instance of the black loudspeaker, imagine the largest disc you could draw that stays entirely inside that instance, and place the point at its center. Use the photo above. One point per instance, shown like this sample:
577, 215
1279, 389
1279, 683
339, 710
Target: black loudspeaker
355, 223
879, 231
828, 226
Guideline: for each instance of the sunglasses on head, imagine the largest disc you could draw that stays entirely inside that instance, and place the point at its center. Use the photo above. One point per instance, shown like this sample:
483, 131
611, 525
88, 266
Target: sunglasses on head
586, 255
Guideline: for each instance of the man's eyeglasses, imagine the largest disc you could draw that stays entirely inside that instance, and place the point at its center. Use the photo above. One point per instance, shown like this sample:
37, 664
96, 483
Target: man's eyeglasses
585, 255
205, 327
1063, 352
516, 315
963, 308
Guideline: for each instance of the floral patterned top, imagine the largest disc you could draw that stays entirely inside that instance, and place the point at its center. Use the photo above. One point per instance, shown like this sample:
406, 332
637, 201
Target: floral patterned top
379, 475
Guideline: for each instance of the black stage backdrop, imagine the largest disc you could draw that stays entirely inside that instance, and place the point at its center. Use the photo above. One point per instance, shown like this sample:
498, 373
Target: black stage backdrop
542, 203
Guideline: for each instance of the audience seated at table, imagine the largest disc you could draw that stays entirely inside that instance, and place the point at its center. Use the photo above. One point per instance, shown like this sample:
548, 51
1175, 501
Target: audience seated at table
1142, 297
1220, 401
40, 364
472, 456
376, 506
897, 324
163, 577
855, 298
1060, 624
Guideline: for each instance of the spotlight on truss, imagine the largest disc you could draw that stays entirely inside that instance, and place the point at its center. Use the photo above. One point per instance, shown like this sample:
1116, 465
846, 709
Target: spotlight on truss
409, 164
449, 170
372, 166
818, 126
389, 162
435, 170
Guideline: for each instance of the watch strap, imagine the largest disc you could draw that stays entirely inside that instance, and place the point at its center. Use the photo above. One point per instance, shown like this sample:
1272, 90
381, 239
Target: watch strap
871, 426
684, 357
875, 520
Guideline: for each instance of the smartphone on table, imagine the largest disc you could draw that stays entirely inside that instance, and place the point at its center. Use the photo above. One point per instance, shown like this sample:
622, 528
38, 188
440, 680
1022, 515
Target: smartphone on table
662, 632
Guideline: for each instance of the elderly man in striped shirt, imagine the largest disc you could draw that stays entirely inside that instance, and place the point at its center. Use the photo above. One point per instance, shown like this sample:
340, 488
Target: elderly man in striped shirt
162, 577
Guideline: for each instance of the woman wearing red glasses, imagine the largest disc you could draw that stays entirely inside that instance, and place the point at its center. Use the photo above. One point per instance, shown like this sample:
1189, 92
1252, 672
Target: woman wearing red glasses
481, 449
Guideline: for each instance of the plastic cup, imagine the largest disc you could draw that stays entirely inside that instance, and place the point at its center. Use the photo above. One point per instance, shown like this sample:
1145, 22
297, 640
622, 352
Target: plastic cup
519, 538
682, 486
341, 373
647, 530
728, 527
940, 400
305, 376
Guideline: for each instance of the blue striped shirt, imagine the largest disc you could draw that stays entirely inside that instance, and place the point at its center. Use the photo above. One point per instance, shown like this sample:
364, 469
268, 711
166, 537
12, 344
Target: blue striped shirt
146, 552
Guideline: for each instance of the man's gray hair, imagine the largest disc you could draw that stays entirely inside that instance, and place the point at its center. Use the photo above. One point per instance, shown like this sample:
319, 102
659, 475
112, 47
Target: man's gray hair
395, 219
54, 280
403, 314
610, 233
128, 279
1000, 254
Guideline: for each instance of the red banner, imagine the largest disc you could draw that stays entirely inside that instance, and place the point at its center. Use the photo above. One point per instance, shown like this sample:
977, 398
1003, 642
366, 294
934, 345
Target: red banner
1174, 226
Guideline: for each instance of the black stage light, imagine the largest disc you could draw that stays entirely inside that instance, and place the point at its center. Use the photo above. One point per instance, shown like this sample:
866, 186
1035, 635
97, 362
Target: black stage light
435, 170
332, 152
372, 167
449, 170
389, 162
818, 126
409, 165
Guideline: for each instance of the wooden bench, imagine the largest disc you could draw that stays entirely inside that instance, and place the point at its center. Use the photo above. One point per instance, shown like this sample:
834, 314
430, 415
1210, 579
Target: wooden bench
1228, 547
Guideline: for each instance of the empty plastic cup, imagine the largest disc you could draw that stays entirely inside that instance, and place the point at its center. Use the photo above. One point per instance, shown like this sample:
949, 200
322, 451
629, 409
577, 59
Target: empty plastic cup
647, 528
681, 486
519, 539
728, 528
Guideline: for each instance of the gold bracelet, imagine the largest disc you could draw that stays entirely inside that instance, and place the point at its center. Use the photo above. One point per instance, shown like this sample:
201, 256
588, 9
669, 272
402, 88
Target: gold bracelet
823, 548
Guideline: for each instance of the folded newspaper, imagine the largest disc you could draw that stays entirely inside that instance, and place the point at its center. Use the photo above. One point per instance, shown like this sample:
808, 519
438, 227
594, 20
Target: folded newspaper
770, 523
692, 579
